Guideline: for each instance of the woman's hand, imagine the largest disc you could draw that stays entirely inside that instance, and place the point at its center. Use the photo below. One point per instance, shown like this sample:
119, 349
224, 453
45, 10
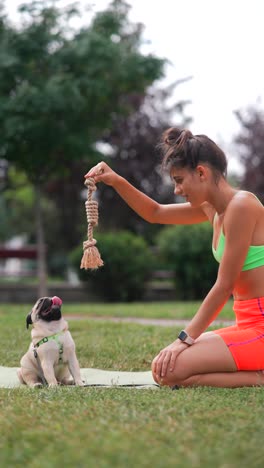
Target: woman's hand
102, 173
165, 361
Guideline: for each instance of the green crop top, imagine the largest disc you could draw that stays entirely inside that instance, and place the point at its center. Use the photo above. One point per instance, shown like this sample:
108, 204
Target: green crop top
254, 258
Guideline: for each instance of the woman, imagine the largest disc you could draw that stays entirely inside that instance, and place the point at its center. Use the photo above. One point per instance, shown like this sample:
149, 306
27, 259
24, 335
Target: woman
232, 356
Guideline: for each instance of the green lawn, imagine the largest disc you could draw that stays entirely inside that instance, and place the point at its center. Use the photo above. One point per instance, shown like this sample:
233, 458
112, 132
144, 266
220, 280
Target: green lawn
169, 310
89, 427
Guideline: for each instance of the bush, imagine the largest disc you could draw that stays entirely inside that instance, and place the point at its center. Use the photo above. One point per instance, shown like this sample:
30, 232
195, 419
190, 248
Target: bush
187, 251
57, 264
127, 265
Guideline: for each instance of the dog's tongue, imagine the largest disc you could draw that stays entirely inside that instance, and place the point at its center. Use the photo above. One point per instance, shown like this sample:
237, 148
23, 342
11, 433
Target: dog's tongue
56, 301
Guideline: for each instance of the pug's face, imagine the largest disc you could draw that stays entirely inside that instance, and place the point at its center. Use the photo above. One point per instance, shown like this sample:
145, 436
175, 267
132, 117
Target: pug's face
46, 308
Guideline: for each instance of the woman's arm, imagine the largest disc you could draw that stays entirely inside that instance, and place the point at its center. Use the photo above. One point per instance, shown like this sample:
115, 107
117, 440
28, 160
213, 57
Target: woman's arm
144, 206
239, 224
238, 234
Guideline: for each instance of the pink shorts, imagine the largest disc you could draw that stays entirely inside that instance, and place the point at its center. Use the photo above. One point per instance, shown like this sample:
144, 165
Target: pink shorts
245, 340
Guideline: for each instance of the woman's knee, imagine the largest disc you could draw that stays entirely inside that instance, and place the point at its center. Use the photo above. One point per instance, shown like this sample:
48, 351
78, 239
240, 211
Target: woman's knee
175, 377
191, 381
154, 375
182, 370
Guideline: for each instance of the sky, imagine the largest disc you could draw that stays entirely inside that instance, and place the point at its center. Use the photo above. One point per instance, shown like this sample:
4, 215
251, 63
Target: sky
219, 43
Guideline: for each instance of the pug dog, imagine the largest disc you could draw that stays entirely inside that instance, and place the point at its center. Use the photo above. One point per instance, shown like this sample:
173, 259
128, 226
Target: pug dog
51, 357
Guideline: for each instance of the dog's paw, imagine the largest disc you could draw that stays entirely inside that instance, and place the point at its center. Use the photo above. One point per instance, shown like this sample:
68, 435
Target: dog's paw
37, 385
53, 385
67, 382
79, 383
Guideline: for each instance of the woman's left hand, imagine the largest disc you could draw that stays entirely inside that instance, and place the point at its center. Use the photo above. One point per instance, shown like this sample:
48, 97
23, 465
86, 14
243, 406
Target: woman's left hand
166, 359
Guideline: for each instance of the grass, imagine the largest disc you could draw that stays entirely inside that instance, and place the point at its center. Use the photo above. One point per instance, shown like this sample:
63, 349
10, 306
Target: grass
104, 428
166, 310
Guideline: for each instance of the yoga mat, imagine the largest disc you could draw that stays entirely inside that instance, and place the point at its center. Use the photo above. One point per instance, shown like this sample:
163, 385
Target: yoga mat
91, 378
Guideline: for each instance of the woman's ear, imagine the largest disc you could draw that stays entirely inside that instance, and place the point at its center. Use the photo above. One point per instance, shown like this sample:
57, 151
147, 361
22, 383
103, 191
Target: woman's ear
202, 172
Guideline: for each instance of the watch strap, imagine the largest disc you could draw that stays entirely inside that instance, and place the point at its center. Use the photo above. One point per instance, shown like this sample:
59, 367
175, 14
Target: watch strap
186, 338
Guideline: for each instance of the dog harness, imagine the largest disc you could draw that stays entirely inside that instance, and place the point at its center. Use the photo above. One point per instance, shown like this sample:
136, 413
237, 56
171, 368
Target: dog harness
49, 338
45, 340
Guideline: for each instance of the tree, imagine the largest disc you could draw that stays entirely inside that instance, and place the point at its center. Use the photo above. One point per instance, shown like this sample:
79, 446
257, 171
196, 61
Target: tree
59, 92
250, 142
131, 143
134, 141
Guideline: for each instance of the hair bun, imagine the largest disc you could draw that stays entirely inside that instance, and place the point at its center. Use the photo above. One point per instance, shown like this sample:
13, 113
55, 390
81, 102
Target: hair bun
174, 136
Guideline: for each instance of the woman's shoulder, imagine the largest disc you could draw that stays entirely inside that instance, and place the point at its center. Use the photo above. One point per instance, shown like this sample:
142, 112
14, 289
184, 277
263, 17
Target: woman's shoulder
243, 216
243, 199
243, 207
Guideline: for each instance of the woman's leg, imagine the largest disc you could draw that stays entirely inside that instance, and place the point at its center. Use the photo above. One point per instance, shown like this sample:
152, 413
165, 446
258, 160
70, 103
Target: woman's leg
209, 363
225, 379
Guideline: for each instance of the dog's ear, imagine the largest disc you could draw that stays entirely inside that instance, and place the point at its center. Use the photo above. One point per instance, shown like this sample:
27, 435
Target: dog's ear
29, 320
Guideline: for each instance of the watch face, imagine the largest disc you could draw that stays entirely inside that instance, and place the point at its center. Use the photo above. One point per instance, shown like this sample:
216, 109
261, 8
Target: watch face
182, 336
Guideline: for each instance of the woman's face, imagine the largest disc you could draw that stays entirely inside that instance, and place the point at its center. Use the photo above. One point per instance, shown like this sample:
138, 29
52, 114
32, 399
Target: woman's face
188, 184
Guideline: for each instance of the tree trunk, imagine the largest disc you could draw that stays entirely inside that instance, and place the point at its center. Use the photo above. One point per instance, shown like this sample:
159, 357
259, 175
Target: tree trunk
41, 248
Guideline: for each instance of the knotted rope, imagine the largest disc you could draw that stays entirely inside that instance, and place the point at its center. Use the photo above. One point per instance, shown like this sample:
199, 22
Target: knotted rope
91, 256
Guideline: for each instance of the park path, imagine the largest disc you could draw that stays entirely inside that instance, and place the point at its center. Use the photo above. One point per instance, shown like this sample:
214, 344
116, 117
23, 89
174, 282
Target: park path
145, 321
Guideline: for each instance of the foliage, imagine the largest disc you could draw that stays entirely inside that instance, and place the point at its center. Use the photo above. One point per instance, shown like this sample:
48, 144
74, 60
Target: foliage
59, 92
131, 144
187, 250
250, 143
134, 140
127, 265
17, 204
16, 208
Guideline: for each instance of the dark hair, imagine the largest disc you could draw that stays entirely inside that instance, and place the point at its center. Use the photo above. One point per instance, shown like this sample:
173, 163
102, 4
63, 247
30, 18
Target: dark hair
180, 148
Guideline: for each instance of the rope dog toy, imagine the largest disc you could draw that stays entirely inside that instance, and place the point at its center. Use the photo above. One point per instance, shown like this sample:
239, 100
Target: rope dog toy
91, 256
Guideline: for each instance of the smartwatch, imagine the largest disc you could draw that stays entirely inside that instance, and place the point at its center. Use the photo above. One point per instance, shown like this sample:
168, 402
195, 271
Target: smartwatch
185, 338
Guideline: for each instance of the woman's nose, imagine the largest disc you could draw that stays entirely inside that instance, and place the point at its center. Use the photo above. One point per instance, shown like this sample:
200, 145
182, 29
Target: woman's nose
177, 190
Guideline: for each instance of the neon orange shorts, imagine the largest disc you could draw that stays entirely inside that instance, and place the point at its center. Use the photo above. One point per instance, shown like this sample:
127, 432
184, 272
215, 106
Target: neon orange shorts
245, 340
